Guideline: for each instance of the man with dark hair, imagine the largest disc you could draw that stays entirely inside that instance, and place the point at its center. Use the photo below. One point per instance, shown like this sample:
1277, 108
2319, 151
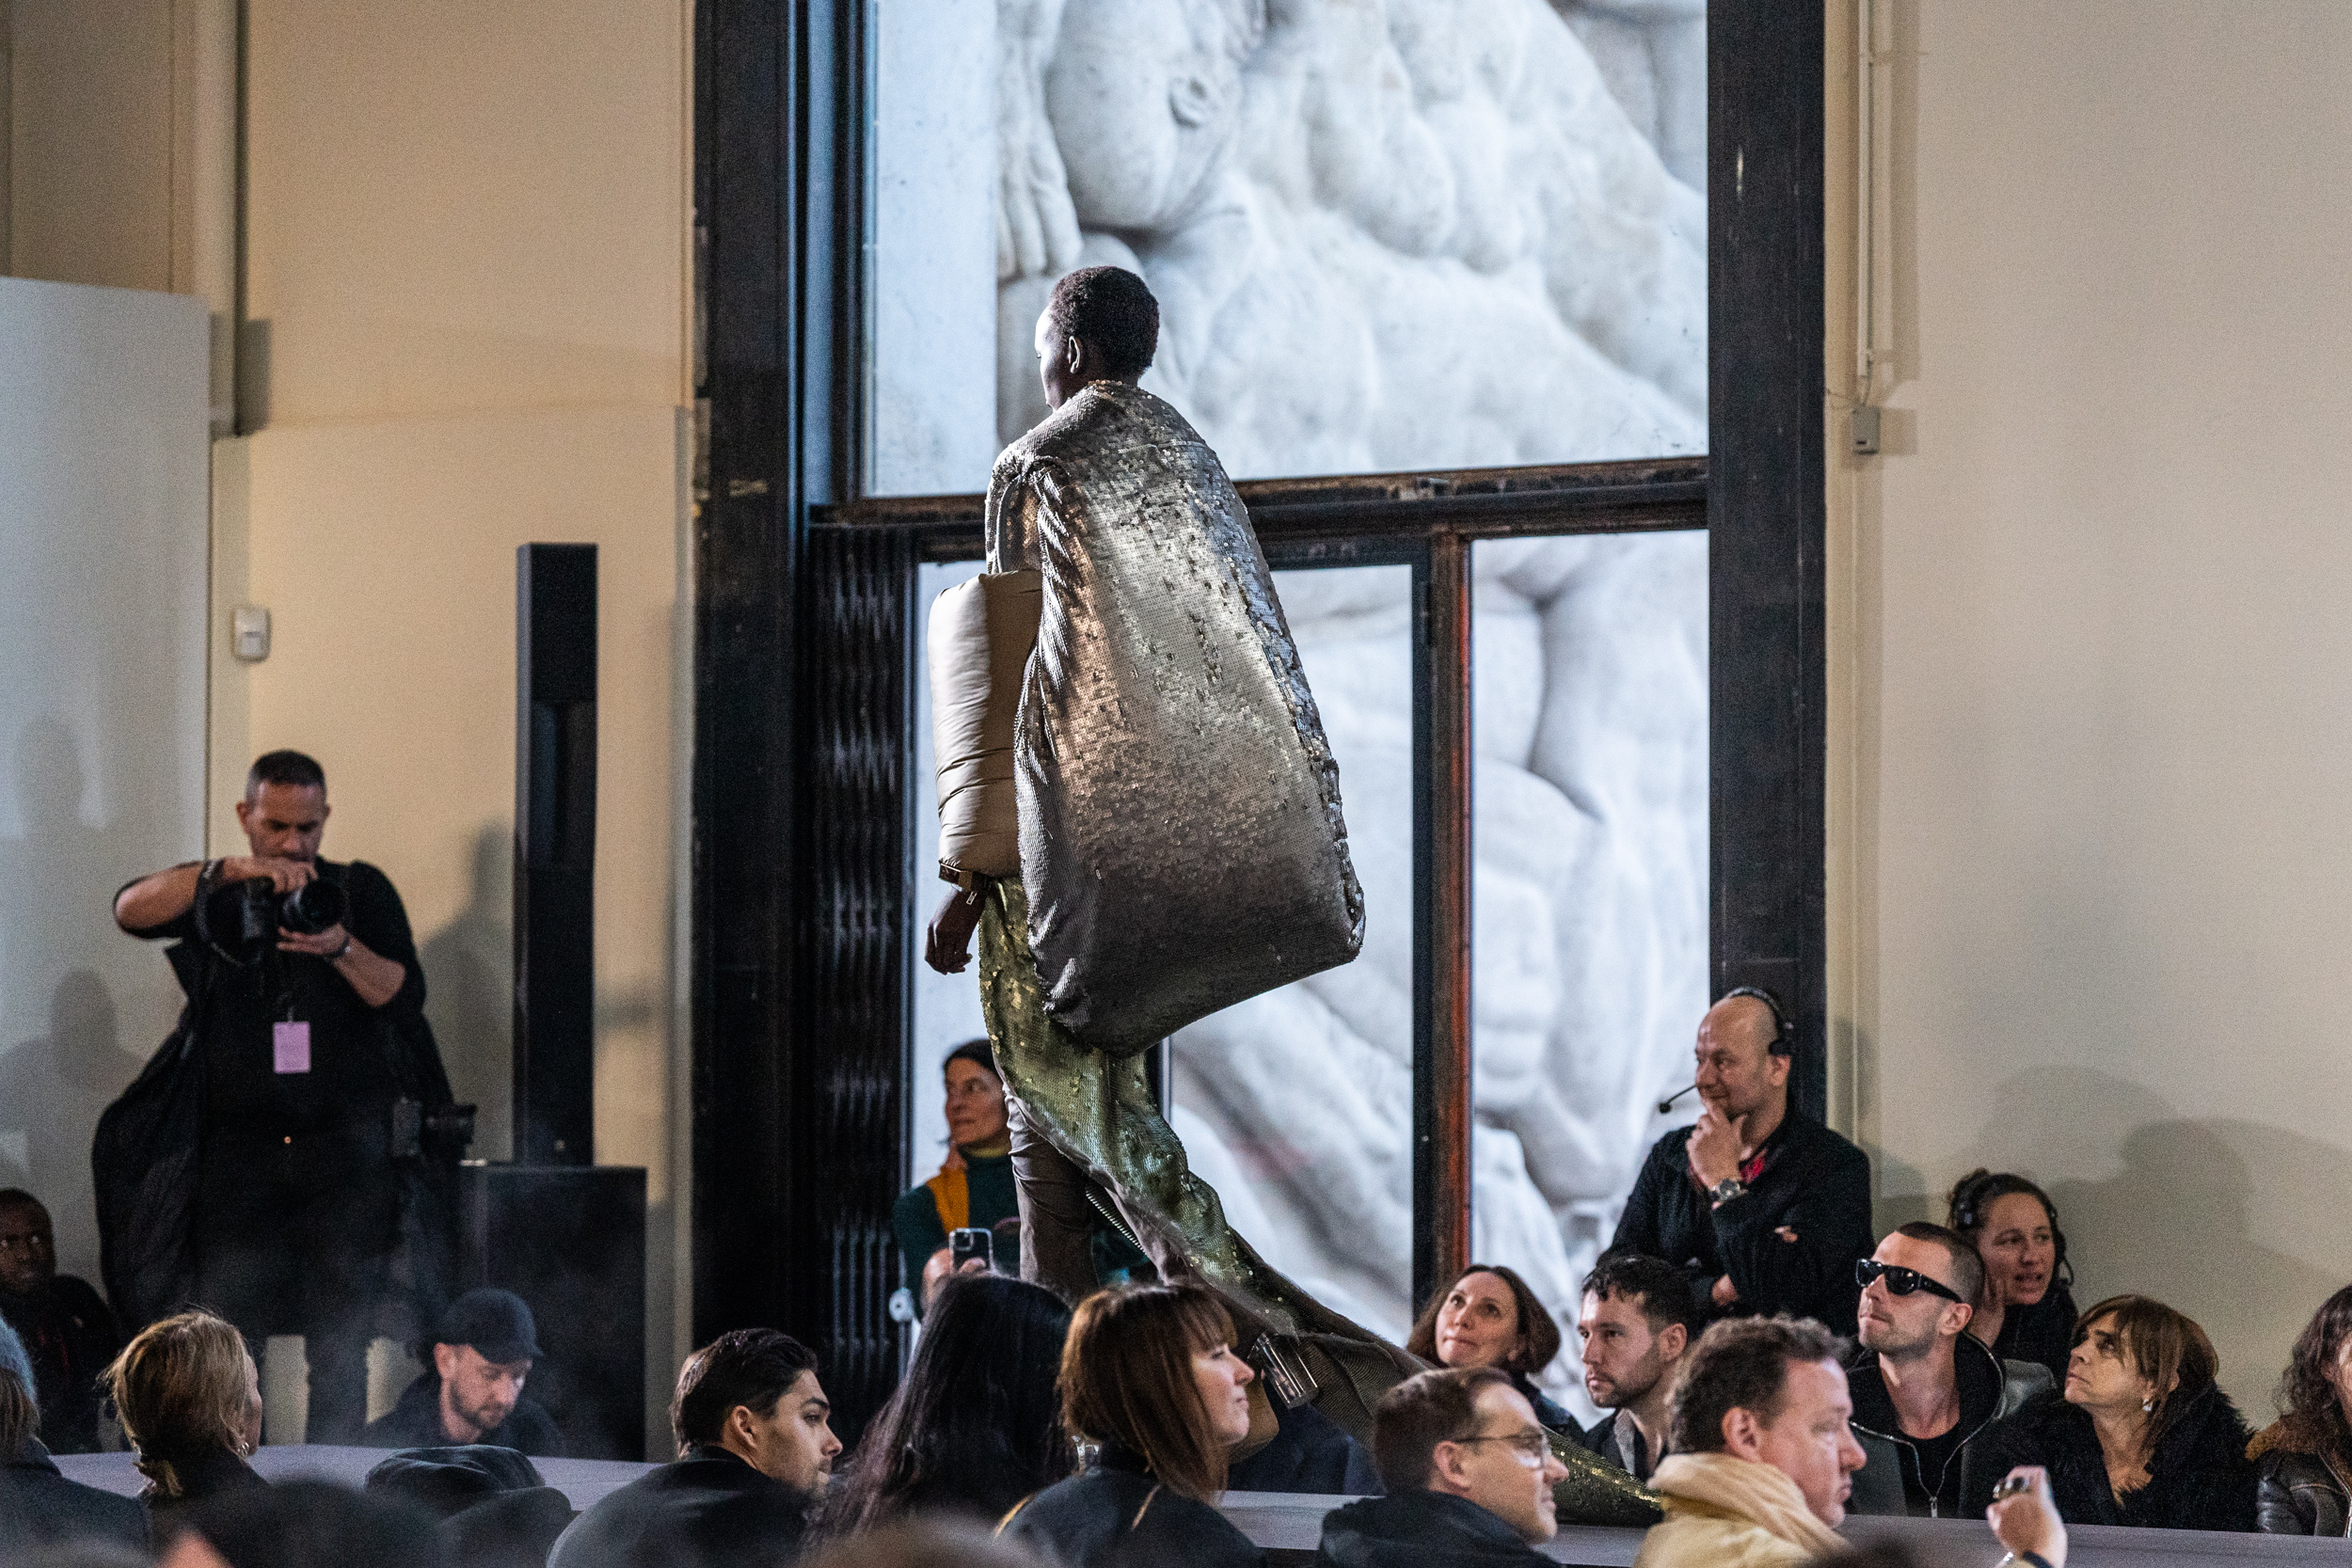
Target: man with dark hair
1637, 1323
69, 1334
755, 1454
1925, 1386
1764, 1208
471, 1390
1762, 1450
1469, 1471
305, 1029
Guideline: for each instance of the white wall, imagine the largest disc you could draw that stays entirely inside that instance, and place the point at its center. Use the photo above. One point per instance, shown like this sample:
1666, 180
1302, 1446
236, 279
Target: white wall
2092, 732
101, 713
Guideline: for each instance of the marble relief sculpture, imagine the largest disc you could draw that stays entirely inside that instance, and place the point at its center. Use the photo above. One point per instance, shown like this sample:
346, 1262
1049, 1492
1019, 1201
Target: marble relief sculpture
1399, 234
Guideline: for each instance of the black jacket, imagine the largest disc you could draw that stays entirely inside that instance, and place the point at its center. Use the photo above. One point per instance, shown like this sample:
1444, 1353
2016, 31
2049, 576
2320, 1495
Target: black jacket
38, 1507
1814, 1183
2299, 1492
1890, 1481
2043, 1332
415, 1422
707, 1511
1116, 1516
214, 1473
70, 1336
1420, 1529
1309, 1454
1602, 1439
2200, 1478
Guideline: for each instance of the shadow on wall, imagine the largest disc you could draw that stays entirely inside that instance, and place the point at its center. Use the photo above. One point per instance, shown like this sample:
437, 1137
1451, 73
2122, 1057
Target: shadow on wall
2195, 1214
469, 975
58, 945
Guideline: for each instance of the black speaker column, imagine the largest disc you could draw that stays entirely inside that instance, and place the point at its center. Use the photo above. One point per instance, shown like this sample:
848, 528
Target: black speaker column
566, 1236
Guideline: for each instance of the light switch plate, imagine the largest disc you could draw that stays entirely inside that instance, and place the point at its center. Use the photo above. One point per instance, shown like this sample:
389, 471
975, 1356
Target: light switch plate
248, 633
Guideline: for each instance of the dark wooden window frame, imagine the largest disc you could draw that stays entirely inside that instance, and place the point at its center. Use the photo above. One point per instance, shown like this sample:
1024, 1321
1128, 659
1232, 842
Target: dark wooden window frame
804, 846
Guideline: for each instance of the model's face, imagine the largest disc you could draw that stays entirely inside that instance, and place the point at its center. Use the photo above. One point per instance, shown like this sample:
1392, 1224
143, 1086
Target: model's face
1223, 1380
2099, 1375
284, 821
793, 1443
478, 1391
1905, 1326
28, 1249
976, 1105
1811, 1441
1055, 363
1623, 1357
1737, 1072
1508, 1467
1479, 1324
2019, 1246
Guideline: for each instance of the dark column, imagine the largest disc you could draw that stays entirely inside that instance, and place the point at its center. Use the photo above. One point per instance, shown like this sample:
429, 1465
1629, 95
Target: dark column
1766, 512
1441, 919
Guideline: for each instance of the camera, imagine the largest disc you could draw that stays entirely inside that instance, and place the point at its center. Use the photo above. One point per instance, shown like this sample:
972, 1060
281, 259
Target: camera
240, 920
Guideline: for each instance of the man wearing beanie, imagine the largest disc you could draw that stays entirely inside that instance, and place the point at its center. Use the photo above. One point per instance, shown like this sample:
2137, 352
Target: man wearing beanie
471, 1390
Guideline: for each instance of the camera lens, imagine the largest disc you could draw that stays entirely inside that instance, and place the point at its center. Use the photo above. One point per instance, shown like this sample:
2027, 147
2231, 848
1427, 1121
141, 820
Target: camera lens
312, 908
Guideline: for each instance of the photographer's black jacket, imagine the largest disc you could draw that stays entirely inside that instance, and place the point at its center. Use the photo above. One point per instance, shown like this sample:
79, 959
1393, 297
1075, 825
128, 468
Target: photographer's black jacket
216, 1074
1814, 1184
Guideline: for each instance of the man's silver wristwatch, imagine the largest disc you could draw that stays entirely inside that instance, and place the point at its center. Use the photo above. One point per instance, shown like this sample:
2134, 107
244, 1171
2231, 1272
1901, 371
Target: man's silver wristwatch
1726, 1190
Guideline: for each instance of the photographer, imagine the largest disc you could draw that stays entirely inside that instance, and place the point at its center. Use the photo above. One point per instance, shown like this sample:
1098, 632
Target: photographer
304, 1029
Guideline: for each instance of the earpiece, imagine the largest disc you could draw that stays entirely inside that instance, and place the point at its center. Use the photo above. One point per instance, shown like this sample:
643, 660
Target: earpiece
1784, 1036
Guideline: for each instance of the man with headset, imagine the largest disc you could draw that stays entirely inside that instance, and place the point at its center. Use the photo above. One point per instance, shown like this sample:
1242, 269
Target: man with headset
1766, 1208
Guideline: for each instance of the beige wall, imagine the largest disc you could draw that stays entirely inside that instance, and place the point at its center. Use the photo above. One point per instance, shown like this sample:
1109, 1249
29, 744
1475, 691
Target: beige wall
467, 278
2090, 747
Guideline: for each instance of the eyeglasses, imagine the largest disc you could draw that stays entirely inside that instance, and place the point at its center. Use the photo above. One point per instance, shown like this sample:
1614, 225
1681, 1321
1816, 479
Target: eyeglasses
1532, 1447
1901, 1281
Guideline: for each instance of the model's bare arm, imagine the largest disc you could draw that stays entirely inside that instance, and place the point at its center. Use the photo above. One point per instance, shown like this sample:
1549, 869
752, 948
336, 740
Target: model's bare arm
164, 897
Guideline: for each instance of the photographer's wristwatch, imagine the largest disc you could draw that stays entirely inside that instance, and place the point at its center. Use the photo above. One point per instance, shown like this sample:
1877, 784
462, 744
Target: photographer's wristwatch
1726, 1190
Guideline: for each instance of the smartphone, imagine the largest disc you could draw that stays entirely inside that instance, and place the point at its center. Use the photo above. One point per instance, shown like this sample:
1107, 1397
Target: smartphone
964, 1246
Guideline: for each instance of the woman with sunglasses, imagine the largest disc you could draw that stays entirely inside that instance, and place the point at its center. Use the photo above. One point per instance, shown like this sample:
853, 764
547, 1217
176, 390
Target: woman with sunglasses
2141, 1435
2026, 1312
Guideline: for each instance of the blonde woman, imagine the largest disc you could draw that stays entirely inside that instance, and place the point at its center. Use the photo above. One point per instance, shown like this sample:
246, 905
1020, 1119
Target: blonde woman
190, 1399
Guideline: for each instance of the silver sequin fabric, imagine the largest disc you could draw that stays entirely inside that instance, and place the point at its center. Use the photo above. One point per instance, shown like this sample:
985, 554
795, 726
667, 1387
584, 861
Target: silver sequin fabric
1182, 842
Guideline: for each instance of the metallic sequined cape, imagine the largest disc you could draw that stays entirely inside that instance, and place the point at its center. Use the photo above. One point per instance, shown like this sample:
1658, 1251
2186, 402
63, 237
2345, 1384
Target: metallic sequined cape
1182, 845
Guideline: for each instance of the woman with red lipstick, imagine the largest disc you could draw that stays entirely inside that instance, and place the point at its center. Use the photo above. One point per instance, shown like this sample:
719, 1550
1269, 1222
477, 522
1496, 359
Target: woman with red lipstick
2027, 1313
1490, 1318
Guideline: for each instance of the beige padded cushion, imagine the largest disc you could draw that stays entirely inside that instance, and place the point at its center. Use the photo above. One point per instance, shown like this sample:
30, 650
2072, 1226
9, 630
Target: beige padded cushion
981, 632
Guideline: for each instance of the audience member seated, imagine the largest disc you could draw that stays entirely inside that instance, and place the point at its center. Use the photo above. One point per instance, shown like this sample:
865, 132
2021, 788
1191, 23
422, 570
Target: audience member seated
471, 1390
975, 1423
1925, 1389
1148, 1376
2027, 1313
37, 1506
493, 1509
1763, 1451
190, 1400
1469, 1471
755, 1449
1489, 1318
303, 1524
2304, 1479
65, 1325
1766, 1208
2140, 1435
1637, 1321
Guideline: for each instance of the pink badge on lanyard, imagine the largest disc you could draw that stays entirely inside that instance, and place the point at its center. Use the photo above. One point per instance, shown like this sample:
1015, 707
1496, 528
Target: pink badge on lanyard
290, 1044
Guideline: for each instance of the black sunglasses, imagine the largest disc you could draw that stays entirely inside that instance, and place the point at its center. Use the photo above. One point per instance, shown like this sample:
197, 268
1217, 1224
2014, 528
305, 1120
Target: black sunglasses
1901, 1281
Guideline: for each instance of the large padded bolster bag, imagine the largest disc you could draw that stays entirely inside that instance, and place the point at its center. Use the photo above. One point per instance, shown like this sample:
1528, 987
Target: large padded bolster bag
980, 635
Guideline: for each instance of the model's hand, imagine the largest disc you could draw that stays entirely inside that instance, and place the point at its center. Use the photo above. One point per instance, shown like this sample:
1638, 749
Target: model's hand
948, 946
1715, 1147
2028, 1521
319, 944
285, 875
1723, 1292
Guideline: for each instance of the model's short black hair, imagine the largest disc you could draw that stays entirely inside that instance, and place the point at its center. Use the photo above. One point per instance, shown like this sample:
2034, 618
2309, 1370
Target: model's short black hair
1742, 1364
1660, 1290
751, 1367
1113, 310
291, 768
